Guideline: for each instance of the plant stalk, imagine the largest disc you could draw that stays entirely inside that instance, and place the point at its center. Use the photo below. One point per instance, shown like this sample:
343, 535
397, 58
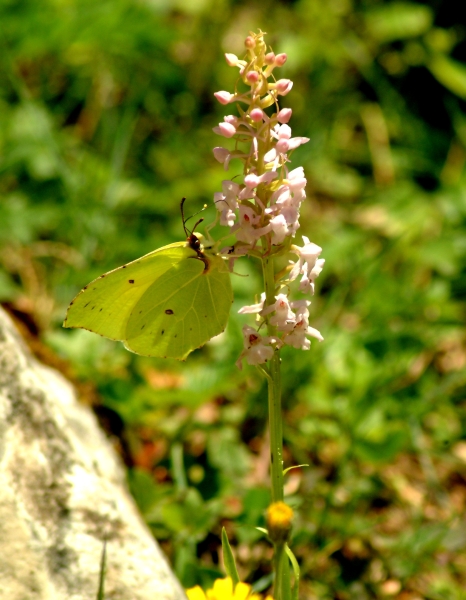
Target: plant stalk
274, 394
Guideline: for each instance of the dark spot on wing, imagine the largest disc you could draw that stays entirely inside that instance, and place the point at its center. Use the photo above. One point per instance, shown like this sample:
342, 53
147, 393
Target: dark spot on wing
143, 327
72, 302
130, 280
100, 310
140, 311
94, 288
176, 335
169, 311
123, 267
87, 304
85, 287
93, 307
163, 331
102, 276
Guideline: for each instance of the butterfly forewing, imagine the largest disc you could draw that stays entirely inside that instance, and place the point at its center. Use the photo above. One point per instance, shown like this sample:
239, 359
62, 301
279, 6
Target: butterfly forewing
104, 305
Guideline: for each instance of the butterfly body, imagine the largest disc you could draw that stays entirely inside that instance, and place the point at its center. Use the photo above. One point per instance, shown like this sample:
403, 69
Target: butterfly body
166, 303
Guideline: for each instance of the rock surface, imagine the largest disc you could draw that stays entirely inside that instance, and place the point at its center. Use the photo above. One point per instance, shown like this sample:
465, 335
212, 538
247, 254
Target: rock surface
62, 492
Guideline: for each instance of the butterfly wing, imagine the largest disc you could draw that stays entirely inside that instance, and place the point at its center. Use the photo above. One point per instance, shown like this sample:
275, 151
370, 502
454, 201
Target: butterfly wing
183, 309
166, 303
104, 305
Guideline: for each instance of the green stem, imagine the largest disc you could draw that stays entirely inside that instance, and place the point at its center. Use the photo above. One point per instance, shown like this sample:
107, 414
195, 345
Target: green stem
274, 389
277, 567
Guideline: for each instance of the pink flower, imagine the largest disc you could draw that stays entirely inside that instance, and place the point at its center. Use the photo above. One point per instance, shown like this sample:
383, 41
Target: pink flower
246, 229
221, 154
227, 202
284, 318
257, 349
285, 142
253, 308
296, 179
307, 264
252, 180
279, 228
298, 336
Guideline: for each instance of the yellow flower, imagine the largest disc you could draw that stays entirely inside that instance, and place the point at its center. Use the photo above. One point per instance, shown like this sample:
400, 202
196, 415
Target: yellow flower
279, 518
223, 590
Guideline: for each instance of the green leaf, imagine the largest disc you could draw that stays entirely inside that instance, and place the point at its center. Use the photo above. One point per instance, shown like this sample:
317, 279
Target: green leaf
229, 559
450, 73
103, 565
294, 467
398, 20
296, 571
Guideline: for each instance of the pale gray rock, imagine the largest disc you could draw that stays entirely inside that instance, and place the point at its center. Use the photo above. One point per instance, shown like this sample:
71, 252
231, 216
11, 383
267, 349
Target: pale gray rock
62, 492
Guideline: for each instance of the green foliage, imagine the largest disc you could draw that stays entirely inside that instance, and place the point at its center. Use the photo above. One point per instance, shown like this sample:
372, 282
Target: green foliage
229, 559
105, 124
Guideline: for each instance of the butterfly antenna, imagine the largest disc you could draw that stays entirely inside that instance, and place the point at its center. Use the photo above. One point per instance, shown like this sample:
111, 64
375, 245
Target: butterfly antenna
186, 230
182, 216
200, 221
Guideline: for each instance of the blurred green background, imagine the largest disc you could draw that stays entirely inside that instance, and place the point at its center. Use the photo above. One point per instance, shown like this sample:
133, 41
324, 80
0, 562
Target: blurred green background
106, 116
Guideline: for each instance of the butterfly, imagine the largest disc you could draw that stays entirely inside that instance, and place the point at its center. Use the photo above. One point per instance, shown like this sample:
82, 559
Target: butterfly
166, 303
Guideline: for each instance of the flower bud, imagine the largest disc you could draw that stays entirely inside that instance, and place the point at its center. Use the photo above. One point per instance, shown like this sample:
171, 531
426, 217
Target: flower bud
224, 97
250, 42
284, 115
256, 115
232, 119
283, 86
280, 59
279, 517
232, 59
226, 129
252, 77
269, 58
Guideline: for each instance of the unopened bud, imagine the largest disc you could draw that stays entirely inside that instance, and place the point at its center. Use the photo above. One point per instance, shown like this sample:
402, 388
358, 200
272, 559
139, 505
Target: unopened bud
280, 59
226, 129
269, 58
252, 76
232, 59
283, 86
279, 517
224, 97
250, 42
284, 115
256, 115
232, 119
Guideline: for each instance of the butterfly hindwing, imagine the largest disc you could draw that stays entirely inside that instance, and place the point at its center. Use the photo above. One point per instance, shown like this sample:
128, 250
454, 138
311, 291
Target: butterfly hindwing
183, 310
